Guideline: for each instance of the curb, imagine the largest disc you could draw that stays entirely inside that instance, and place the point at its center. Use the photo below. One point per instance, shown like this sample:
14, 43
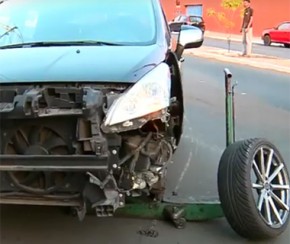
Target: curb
256, 60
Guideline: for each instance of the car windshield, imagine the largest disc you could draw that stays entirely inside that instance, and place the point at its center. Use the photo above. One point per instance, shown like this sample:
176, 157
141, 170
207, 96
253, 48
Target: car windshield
126, 22
180, 18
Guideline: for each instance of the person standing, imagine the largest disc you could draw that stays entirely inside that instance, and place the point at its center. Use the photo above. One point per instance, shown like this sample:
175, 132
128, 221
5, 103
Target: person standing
247, 28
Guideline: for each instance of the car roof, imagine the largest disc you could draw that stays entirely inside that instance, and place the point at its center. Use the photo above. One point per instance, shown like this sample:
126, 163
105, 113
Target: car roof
181, 17
188, 15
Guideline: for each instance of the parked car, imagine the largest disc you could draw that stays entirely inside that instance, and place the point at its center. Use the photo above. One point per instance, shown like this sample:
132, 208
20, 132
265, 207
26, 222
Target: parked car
192, 20
279, 34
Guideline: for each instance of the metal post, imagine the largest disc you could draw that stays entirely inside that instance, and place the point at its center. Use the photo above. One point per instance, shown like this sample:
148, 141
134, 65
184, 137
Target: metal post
229, 44
233, 109
229, 108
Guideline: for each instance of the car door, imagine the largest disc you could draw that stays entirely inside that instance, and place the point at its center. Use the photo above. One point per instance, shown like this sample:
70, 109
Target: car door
280, 34
275, 34
286, 33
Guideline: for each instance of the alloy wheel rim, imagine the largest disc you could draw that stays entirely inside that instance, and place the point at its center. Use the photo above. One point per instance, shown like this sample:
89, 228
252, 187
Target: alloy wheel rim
270, 184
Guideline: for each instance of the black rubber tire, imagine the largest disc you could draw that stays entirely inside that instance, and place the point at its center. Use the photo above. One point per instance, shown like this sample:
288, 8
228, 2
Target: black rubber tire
235, 191
287, 45
267, 40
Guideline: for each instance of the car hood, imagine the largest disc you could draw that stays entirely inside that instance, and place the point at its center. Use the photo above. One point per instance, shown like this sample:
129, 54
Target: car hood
267, 30
79, 64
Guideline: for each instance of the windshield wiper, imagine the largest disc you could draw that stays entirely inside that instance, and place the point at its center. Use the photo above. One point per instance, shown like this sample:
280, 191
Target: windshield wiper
8, 31
56, 44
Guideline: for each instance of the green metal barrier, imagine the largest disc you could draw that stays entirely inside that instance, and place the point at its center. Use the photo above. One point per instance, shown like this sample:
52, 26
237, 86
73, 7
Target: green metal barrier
190, 212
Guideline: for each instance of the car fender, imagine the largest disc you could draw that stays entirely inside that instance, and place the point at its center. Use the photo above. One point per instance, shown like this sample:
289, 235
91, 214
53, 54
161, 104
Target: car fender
176, 91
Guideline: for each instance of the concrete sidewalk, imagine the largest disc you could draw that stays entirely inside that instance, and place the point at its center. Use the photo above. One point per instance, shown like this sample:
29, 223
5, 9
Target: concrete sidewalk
256, 60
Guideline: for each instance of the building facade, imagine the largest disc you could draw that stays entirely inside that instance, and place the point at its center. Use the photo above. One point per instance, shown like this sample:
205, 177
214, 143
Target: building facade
267, 13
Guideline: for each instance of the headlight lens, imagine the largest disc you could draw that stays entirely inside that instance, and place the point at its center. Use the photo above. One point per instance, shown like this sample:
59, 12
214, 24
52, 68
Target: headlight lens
148, 95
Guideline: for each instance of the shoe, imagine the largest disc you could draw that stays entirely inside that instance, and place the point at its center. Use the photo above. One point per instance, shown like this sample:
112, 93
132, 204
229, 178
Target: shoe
246, 55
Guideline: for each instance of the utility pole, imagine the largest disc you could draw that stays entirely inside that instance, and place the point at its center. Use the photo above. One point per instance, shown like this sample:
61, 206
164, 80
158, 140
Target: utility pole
177, 7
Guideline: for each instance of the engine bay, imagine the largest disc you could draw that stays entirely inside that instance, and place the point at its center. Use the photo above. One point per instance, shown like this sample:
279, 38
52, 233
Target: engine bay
57, 150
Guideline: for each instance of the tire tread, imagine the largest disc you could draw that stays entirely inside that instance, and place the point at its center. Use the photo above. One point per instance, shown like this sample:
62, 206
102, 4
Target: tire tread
235, 191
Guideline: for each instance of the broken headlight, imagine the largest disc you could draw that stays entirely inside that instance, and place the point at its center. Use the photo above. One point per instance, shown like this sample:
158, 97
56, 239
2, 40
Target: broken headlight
148, 95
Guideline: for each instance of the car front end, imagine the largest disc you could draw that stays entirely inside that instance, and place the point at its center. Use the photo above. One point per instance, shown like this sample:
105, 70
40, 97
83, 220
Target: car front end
90, 114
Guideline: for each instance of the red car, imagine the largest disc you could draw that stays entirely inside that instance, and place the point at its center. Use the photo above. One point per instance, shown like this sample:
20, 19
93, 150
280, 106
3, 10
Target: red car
279, 34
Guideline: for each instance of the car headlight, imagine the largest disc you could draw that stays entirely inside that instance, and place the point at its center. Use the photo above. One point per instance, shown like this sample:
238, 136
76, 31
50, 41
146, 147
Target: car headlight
148, 95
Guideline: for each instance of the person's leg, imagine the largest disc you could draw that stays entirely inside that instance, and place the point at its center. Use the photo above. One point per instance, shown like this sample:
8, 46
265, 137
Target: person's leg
249, 41
244, 42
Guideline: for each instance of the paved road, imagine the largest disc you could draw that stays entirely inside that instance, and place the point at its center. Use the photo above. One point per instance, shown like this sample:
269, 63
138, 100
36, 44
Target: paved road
274, 50
262, 110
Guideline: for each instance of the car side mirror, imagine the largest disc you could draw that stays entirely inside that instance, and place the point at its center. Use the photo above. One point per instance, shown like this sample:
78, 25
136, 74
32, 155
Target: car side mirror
174, 27
188, 37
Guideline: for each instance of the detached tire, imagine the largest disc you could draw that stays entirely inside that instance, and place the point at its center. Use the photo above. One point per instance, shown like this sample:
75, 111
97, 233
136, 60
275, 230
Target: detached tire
253, 185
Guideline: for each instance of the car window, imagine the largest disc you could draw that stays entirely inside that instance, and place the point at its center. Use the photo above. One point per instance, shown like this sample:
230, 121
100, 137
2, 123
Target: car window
195, 19
126, 21
285, 26
180, 18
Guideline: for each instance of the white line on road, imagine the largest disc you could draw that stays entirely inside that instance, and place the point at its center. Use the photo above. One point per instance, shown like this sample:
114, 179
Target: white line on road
214, 148
184, 171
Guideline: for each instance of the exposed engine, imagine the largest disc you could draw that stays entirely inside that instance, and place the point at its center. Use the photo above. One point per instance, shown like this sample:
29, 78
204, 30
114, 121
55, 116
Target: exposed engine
56, 148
